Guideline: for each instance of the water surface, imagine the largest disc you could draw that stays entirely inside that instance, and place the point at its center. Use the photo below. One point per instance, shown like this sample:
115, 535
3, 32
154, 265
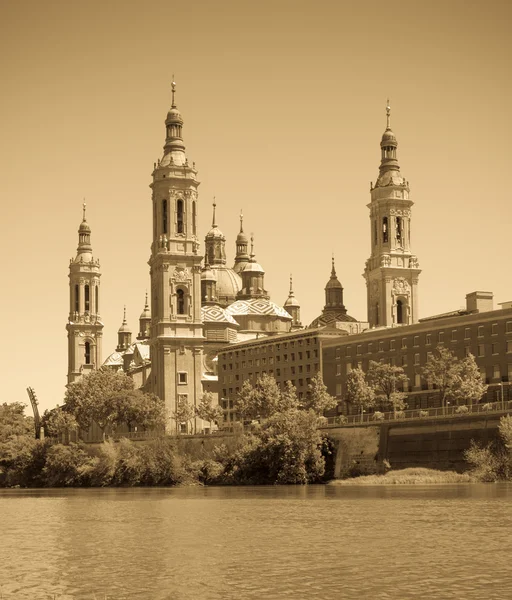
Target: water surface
435, 542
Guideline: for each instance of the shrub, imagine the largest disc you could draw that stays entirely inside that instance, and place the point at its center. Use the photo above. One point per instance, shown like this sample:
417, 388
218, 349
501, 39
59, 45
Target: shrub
462, 410
400, 414
378, 416
67, 466
484, 461
423, 414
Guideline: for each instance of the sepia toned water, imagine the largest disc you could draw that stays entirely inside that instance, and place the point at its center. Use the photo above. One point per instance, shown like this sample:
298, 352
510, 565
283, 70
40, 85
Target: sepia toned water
319, 542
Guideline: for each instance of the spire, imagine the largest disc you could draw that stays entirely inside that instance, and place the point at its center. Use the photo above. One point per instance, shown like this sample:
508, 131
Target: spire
241, 221
146, 305
253, 259
84, 238
388, 145
83, 206
124, 316
214, 207
173, 125
334, 292
173, 88
291, 285
292, 307
333, 268
242, 243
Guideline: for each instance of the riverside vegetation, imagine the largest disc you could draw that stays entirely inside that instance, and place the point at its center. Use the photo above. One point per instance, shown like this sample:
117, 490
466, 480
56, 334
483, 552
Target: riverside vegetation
281, 446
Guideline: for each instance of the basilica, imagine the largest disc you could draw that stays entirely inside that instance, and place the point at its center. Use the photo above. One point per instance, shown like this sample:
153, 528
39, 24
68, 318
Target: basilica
199, 304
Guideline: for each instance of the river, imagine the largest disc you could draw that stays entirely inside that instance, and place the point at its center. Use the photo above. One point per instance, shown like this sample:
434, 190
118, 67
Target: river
325, 542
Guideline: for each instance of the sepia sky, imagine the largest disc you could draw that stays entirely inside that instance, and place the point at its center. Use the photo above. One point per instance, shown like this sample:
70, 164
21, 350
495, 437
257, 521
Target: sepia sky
284, 108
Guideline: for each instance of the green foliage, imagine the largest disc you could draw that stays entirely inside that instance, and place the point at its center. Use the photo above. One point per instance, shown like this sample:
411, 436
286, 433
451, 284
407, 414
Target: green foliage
484, 462
318, 399
183, 413
505, 429
208, 411
386, 380
359, 392
91, 398
67, 466
259, 401
59, 422
457, 380
284, 449
135, 407
17, 441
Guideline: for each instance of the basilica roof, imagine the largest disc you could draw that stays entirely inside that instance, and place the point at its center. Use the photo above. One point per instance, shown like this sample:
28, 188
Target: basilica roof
114, 360
331, 318
229, 283
216, 314
257, 306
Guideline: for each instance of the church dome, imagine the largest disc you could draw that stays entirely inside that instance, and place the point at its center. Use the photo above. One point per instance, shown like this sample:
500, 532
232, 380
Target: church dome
124, 328
228, 282
333, 283
215, 234
257, 306
388, 138
174, 116
253, 267
84, 227
216, 314
330, 319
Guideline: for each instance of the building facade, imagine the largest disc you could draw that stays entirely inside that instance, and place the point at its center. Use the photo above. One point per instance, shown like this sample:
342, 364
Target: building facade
480, 330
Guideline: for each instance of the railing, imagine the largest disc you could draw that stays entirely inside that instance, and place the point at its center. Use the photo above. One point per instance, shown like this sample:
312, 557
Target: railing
419, 414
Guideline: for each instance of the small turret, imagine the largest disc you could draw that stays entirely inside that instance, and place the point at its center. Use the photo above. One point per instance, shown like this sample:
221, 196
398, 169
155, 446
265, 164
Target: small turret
242, 244
124, 335
208, 286
144, 321
292, 306
253, 275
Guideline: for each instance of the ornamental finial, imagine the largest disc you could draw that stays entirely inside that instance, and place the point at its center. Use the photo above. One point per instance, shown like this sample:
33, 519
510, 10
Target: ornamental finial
213, 219
333, 270
291, 285
173, 87
252, 245
83, 208
241, 221
124, 315
388, 114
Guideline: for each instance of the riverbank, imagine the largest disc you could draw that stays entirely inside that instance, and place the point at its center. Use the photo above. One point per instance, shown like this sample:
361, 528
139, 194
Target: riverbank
411, 476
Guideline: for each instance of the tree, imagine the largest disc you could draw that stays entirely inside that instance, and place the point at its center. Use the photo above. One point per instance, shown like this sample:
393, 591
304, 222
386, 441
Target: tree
135, 407
207, 411
318, 398
359, 392
455, 379
91, 398
386, 381
59, 422
259, 401
284, 449
183, 413
469, 388
289, 400
17, 440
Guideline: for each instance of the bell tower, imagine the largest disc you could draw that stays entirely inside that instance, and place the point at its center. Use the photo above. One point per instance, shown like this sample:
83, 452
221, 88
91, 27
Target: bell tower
84, 325
392, 270
176, 332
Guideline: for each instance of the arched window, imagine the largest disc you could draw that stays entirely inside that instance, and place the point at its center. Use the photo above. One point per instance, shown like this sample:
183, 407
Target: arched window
179, 216
180, 295
399, 311
398, 229
87, 353
77, 298
97, 298
194, 217
385, 229
164, 216
87, 300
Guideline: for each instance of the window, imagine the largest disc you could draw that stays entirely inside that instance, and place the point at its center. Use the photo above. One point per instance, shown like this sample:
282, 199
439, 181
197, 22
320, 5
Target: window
392, 345
300, 368
481, 350
381, 346
398, 226
77, 298
97, 298
278, 372
495, 348
338, 389
480, 331
508, 327
87, 353
440, 337
399, 311
293, 355
428, 339
349, 367
182, 377
194, 218
164, 216
417, 380
300, 355
338, 369
416, 359
494, 329
179, 216
404, 360
467, 351
359, 349
454, 335
496, 372
293, 370
416, 340
308, 353
509, 345
370, 347
509, 371
392, 361
375, 233
180, 301
404, 342
86, 297
385, 229
467, 333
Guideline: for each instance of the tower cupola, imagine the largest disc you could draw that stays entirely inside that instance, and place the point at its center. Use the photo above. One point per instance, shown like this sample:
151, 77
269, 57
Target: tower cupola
253, 275
144, 321
292, 306
124, 335
215, 243
242, 244
388, 146
174, 125
334, 292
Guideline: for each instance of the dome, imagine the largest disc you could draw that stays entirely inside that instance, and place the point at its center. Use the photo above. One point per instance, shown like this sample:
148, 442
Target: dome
145, 314
333, 283
291, 301
114, 360
388, 138
215, 234
331, 318
253, 267
174, 115
257, 306
241, 238
216, 314
124, 328
228, 282
84, 227
207, 274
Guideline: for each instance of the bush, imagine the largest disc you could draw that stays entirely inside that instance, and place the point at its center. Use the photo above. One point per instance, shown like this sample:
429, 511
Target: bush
400, 414
378, 416
484, 461
423, 414
67, 466
462, 410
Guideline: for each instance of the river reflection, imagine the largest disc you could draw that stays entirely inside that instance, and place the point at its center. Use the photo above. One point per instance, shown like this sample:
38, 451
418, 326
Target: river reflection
326, 542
